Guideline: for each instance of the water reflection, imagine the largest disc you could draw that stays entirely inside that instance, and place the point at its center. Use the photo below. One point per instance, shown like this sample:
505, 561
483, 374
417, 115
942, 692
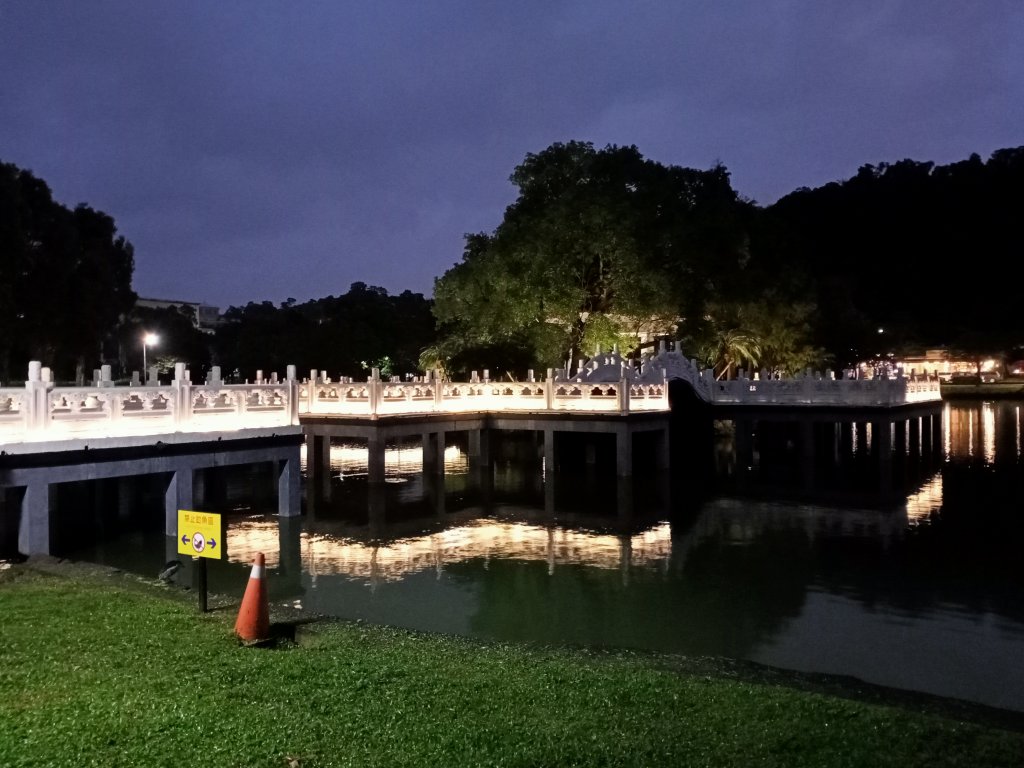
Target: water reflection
899, 566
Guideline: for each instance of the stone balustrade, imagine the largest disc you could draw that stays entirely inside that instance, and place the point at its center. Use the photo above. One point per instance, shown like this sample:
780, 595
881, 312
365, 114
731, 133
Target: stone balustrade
606, 383
376, 397
41, 411
810, 388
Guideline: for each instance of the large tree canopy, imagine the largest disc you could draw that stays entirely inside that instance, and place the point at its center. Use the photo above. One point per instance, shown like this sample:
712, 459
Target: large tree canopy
598, 246
65, 279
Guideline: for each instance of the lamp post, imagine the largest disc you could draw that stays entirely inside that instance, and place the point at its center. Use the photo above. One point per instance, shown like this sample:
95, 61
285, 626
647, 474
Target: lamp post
148, 340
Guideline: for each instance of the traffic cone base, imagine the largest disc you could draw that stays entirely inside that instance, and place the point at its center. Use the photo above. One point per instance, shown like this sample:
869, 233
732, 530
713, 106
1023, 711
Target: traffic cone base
253, 623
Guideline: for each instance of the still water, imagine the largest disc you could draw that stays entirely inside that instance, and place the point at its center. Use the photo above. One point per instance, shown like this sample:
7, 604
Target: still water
914, 581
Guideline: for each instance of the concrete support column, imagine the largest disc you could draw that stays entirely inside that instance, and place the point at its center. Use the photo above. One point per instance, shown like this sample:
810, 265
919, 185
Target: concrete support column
429, 448
549, 451
881, 440
830, 434
915, 435
37, 504
663, 449
590, 453
375, 457
127, 491
936, 447
845, 439
623, 452
318, 464
901, 436
177, 496
289, 487
862, 437
202, 492
743, 430
480, 448
439, 465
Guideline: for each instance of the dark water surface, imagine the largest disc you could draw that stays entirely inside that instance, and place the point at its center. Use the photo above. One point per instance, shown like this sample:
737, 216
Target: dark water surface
912, 578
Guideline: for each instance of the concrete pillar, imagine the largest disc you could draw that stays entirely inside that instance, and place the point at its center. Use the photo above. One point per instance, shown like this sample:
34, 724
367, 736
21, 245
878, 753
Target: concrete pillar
37, 505
549, 451
662, 449
319, 464
744, 437
178, 495
590, 452
375, 457
845, 439
480, 448
623, 451
289, 542
862, 437
289, 487
915, 435
881, 439
429, 448
127, 493
900, 429
440, 441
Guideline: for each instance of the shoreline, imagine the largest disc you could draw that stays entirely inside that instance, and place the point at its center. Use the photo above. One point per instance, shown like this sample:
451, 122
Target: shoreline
303, 628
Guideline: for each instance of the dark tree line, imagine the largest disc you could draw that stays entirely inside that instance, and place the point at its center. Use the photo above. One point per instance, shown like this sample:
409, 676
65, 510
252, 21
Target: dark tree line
65, 279
600, 245
341, 335
933, 255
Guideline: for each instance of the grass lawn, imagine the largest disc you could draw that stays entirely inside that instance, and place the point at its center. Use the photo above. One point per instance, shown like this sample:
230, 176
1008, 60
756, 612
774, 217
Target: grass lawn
98, 668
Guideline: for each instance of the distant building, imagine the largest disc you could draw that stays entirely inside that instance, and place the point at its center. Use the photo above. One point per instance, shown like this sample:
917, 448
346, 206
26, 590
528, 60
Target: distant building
934, 362
204, 317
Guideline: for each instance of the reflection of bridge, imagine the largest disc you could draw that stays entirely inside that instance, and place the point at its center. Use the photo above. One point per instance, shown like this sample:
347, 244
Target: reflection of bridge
51, 435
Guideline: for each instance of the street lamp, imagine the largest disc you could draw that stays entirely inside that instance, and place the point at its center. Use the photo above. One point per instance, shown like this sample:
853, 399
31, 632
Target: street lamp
148, 340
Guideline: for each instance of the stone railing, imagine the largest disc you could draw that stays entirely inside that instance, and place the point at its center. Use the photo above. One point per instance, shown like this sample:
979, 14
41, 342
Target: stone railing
810, 388
374, 397
41, 411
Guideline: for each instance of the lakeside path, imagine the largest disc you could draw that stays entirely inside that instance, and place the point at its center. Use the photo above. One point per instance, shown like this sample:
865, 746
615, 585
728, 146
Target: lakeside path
103, 668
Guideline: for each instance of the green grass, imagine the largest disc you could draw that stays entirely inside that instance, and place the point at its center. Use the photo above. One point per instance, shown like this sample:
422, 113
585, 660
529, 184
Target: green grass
100, 671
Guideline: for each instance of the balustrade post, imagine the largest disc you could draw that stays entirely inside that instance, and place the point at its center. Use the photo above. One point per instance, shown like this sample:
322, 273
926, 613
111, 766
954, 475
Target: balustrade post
376, 390
549, 390
292, 384
180, 391
623, 394
312, 399
36, 400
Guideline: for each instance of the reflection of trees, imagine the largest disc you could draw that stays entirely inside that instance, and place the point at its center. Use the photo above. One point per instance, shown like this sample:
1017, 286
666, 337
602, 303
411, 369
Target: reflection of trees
727, 599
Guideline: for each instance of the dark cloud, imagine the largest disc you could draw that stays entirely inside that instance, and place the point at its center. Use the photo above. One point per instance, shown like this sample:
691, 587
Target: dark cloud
258, 151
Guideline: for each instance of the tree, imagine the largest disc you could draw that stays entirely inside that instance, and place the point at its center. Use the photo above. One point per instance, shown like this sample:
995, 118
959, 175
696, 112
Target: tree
596, 242
65, 278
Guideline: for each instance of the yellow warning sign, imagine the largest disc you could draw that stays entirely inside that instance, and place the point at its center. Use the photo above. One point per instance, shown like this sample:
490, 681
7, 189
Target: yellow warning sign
200, 534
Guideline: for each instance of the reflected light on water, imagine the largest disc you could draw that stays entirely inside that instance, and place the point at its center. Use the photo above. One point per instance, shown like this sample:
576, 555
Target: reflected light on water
324, 554
927, 500
351, 459
970, 432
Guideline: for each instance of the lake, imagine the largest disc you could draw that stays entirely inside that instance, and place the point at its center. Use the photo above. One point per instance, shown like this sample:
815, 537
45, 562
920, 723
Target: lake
914, 581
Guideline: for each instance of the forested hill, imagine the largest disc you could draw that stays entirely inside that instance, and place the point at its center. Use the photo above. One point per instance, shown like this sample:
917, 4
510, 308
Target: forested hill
932, 254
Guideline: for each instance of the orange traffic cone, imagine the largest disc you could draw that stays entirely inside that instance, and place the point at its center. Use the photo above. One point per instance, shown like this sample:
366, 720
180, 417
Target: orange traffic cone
253, 621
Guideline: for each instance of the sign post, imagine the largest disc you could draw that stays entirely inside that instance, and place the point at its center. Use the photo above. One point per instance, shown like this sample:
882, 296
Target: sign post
201, 535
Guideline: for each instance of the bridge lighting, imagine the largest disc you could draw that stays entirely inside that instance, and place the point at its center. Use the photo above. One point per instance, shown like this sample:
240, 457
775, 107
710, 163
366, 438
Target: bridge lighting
148, 340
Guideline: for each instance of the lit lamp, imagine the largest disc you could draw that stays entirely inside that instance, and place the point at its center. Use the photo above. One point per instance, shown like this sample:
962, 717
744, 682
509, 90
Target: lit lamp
148, 340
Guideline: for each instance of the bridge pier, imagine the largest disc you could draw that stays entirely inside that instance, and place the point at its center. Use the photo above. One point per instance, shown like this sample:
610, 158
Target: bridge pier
29, 482
38, 500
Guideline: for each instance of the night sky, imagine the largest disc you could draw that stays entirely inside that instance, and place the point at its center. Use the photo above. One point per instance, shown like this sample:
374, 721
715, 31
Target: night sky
256, 151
